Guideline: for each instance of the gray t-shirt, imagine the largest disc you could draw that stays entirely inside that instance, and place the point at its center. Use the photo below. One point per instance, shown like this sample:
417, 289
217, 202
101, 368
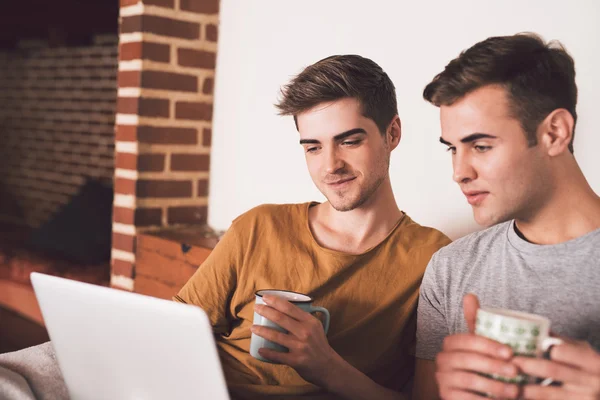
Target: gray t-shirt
560, 282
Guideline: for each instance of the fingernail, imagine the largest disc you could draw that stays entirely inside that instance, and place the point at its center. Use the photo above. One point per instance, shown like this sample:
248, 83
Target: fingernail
253, 329
258, 307
267, 298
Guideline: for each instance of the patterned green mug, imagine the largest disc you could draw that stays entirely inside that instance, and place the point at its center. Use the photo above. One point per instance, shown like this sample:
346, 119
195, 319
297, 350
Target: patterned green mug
527, 334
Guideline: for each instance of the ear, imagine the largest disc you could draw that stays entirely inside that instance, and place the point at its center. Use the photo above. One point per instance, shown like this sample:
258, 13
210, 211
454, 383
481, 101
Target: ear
394, 132
556, 131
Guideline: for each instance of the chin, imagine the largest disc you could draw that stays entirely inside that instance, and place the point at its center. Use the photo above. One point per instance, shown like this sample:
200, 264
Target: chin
344, 205
487, 220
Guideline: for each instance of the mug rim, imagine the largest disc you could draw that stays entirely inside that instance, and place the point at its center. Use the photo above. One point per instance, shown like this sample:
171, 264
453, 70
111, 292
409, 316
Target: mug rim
310, 299
516, 315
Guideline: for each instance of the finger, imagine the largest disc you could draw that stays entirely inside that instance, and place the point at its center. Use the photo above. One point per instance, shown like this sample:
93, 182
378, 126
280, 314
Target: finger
455, 394
276, 356
578, 354
573, 379
466, 342
272, 335
470, 307
284, 320
475, 362
537, 392
285, 307
468, 381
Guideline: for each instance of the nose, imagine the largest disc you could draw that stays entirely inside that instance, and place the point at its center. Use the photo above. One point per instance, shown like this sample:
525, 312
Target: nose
333, 161
463, 168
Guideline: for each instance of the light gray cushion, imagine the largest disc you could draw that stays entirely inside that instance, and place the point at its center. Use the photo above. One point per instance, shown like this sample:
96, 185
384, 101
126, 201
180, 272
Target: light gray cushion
37, 366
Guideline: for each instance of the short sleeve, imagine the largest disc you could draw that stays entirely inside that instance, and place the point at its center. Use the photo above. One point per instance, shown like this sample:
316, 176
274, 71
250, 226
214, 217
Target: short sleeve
214, 282
432, 327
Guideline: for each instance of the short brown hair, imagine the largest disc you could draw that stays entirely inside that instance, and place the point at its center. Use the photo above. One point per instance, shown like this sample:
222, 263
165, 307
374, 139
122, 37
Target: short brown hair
342, 76
538, 77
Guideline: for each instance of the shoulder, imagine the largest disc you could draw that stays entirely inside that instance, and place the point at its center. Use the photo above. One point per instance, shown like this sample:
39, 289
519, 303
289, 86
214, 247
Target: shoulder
270, 214
421, 236
475, 243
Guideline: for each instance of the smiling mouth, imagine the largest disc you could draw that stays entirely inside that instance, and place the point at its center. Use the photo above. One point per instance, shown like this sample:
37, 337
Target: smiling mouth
341, 181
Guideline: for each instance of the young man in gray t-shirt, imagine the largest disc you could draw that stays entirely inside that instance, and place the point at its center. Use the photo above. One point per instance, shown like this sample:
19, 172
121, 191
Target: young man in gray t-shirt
507, 108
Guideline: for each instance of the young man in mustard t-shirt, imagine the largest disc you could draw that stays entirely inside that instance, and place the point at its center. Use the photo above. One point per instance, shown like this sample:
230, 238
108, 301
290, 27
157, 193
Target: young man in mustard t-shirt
357, 254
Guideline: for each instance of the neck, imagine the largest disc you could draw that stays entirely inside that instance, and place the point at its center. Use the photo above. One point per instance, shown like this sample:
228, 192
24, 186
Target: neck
571, 210
371, 222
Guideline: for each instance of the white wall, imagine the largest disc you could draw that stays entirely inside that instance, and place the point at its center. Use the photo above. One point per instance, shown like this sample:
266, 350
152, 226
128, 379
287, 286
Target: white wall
256, 157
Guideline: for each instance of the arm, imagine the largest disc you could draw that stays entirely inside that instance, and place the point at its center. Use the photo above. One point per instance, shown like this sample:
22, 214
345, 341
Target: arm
575, 364
212, 285
425, 387
459, 359
466, 356
311, 355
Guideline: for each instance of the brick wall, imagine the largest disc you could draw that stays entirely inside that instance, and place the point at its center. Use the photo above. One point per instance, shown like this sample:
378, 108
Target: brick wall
163, 123
57, 115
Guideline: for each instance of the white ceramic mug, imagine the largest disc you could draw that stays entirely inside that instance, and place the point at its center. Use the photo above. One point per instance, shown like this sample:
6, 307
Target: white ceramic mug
527, 334
300, 300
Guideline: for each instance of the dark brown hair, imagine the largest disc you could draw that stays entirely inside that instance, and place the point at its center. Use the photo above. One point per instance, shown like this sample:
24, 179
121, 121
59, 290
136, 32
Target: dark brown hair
342, 76
538, 77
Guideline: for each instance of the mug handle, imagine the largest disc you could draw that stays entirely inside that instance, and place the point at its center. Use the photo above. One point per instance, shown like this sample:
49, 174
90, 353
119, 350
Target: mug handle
314, 309
547, 345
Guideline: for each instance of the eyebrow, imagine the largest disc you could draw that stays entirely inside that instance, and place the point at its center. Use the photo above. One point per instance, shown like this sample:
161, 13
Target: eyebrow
339, 137
471, 138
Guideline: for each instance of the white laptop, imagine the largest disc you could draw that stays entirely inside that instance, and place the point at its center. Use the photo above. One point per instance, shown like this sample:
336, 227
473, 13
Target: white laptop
112, 344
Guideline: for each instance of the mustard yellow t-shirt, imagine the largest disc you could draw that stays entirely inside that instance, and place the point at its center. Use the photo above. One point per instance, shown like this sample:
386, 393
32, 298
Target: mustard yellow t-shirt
371, 297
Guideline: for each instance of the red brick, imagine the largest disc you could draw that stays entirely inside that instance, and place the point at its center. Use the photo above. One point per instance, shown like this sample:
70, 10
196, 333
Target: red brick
129, 79
208, 86
149, 107
193, 110
127, 105
145, 51
160, 3
196, 58
187, 215
202, 190
148, 216
126, 161
160, 26
167, 135
169, 81
124, 268
212, 33
125, 3
124, 186
206, 137
123, 215
151, 162
163, 188
190, 162
200, 6
154, 288
123, 242
144, 106
126, 133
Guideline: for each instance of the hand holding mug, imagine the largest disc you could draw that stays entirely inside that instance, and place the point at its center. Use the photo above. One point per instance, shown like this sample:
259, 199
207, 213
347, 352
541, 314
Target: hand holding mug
286, 332
575, 364
467, 362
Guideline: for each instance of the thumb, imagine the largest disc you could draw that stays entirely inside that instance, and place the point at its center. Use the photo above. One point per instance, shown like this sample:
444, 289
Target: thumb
470, 306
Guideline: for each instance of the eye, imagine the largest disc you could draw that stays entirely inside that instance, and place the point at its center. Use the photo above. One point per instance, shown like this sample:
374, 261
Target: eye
350, 142
451, 149
482, 149
311, 149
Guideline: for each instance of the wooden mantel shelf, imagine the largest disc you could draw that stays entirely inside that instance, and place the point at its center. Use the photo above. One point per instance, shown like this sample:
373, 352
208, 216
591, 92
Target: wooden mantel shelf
167, 258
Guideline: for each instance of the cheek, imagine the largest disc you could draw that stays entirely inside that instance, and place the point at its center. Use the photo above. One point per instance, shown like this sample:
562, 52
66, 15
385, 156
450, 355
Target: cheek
313, 165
